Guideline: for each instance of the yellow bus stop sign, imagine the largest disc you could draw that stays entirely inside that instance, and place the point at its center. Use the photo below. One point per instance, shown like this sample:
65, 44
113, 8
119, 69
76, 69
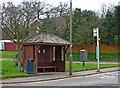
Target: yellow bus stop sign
98, 39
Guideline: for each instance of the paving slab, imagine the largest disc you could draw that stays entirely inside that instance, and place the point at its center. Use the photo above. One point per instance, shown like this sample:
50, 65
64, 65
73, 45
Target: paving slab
55, 75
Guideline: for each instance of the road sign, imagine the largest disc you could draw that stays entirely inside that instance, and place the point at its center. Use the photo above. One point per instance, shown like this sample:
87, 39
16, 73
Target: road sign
98, 39
94, 32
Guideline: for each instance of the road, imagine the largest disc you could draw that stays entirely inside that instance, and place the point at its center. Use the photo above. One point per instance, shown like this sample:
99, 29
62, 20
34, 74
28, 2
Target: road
103, 79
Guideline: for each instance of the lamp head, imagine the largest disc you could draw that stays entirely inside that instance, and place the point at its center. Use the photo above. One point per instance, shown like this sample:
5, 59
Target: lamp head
119, 3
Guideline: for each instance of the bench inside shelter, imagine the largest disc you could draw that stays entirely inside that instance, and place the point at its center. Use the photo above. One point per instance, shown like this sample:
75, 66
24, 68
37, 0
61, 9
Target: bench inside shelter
47, 67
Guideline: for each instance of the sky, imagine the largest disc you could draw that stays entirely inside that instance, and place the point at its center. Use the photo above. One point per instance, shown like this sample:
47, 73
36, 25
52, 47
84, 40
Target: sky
83, 4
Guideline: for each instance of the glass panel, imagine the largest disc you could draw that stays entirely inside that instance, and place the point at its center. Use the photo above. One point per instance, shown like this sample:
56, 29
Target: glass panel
44, 51
53, 53
39, 51
62, 55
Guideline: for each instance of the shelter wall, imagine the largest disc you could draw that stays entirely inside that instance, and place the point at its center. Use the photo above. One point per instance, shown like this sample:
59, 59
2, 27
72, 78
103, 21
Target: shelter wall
27, 53
45, 55
58, 59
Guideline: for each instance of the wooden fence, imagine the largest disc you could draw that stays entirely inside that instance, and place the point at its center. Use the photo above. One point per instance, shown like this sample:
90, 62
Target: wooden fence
91, 48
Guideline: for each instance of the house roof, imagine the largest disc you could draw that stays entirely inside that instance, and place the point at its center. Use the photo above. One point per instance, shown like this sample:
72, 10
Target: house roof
6, 34
57, 24
46, 39
58, 21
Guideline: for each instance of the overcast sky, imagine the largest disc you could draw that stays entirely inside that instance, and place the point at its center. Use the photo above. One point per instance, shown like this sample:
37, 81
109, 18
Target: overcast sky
83, 4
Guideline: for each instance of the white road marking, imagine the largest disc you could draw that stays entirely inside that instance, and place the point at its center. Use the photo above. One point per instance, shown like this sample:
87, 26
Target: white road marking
81, 77
99, 75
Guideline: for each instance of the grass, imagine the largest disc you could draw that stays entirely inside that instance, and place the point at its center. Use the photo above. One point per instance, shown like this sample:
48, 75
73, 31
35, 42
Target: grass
88, 66
92, 56
76, 56
9, 69
8, 54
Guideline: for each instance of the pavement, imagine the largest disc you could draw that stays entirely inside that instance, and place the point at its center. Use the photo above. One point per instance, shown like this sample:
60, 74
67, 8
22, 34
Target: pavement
4, 59
101, 62
56, 75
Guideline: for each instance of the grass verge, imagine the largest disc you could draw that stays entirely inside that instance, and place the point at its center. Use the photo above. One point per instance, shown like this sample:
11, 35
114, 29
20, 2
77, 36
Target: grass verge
76, 56
8, 54
9, 69
92, 56
88, 66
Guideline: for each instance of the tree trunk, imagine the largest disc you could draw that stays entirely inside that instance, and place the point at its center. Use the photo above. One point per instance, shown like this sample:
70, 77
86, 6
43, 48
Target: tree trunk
19, 56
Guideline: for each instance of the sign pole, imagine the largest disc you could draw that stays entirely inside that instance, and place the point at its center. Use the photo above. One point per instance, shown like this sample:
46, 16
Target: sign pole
98, 50
96, 34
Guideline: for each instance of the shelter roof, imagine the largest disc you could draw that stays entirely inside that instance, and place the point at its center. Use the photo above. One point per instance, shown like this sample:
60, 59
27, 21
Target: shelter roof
46, 38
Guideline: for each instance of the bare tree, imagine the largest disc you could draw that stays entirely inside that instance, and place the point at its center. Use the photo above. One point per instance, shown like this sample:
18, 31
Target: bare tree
63, 8
18, 19
60, 10
103, 10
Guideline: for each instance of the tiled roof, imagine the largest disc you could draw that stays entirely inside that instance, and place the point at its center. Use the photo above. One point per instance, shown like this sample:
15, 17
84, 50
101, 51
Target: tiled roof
46, 38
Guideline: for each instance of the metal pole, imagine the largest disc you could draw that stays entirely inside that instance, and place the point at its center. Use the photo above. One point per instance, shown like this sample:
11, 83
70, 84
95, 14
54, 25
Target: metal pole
70, 61
0, 16
119, 3
0, 21
118, 24
98, 51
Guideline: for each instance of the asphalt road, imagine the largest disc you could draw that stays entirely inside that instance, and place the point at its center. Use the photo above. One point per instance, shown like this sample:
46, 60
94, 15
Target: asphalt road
103, 79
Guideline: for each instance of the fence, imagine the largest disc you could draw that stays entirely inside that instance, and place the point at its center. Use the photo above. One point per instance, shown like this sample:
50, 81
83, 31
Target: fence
92, 48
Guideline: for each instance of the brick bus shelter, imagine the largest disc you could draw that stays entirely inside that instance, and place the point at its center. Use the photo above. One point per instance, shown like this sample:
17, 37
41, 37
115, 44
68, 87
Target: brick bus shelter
47, 51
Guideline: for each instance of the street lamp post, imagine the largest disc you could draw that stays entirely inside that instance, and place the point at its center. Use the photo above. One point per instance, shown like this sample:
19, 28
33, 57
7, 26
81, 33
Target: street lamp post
0, 21
0, 16
118, 24
70, 61
119, 3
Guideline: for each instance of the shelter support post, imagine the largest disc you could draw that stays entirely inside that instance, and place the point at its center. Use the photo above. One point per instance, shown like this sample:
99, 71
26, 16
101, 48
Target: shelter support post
36, 59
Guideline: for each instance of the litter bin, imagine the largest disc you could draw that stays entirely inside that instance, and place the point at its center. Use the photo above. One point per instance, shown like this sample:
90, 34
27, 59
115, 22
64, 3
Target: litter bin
83, 56
30, 66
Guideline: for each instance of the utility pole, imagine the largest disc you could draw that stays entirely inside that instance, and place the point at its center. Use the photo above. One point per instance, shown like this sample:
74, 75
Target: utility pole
70, 61
0, 21
118, 24
119, 3
0, 16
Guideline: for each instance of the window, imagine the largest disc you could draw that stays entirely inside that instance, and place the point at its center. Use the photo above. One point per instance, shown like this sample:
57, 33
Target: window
39, 51
53, 53
62, 55
44, 51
